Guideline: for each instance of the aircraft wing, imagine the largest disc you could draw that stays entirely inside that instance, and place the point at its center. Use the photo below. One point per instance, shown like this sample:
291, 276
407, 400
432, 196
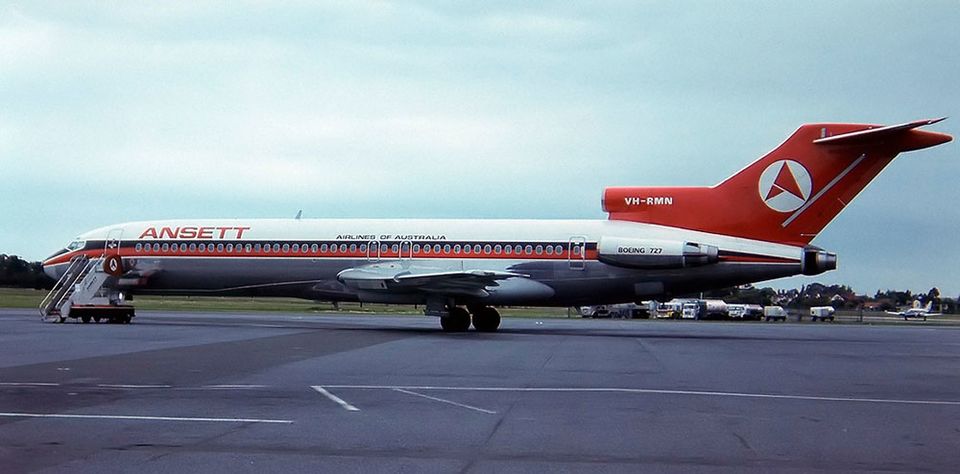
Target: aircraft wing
397, 278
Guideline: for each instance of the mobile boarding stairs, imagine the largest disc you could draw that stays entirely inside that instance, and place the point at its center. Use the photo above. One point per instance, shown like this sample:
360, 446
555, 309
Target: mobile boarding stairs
82, 293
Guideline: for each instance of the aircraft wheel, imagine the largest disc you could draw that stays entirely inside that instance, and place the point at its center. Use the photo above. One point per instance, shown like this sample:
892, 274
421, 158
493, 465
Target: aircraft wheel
457, 321
486, 319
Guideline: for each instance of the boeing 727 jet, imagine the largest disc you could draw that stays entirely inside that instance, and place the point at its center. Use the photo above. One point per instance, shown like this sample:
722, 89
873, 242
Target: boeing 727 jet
656, 242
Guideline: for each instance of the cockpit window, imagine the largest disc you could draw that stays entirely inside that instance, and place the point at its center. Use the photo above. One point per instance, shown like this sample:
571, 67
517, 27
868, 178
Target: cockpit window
75, 245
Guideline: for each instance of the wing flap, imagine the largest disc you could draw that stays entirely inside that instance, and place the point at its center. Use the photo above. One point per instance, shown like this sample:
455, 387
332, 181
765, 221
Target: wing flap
396, 278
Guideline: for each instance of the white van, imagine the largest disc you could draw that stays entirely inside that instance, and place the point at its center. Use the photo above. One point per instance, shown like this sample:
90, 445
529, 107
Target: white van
775, 313
822, 313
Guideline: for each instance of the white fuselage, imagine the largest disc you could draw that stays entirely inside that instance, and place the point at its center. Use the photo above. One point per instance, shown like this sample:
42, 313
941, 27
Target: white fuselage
560, 260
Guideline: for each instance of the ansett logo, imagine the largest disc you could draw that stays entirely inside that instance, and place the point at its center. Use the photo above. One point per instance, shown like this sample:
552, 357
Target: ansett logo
785, 185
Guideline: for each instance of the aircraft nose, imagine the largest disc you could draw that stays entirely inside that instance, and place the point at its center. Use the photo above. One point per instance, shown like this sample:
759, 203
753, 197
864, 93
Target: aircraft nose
52, 271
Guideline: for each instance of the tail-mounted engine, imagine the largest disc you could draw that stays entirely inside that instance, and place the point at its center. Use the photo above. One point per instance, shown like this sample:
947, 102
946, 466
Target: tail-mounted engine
654, 254
816, 261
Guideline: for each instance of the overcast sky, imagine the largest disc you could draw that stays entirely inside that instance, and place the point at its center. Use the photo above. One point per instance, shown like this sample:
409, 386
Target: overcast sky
120, 111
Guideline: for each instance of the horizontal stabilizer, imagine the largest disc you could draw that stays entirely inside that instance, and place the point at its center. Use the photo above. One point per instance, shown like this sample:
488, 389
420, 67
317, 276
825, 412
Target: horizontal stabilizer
881, 134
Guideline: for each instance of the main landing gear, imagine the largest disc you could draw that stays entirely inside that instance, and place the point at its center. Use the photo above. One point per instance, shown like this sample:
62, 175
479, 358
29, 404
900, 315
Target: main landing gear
485, 319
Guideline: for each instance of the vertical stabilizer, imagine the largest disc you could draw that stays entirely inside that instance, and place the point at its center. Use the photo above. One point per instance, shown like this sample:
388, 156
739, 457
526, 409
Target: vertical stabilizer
787, 196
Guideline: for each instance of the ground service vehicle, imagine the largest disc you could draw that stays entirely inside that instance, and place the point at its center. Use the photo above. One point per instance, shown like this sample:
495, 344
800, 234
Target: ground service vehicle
774, 313
822, 313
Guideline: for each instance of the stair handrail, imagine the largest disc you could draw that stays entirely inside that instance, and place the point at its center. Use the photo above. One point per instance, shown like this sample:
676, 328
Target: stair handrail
56, 293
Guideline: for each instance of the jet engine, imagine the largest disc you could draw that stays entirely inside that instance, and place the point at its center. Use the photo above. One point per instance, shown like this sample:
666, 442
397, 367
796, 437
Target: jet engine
654, 254
816, 261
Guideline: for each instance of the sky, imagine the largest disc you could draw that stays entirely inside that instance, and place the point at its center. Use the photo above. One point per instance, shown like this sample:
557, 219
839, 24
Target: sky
120, 111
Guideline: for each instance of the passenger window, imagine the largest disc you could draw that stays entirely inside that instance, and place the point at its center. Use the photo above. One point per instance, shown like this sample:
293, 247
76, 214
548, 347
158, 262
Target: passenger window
486, 248
456, 249
436, 248
363, 248
314, 248
558, 250
166, 247
248, 248
497, 249
446, 248
229, 247
343, 248
276, 247
507, 250
528, 249
549, 250
295, 248
324, 248
139, 247
219, 247
466, 249
416, 248
193, 246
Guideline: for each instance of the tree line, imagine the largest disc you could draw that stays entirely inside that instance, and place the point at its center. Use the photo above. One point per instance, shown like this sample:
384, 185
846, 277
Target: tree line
19, 273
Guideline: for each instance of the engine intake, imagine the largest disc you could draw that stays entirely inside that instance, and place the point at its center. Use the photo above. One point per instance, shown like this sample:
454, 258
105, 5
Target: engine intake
654, 254
816, 261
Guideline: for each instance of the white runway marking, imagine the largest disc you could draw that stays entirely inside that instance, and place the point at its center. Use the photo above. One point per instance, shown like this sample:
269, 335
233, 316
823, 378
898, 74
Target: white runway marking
28, 384
441, 400
121, 385
650, 391
142, 418
234, 387
336, 399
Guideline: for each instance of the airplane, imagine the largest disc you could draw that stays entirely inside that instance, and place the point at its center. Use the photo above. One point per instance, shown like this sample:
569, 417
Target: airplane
657, 242
916, 311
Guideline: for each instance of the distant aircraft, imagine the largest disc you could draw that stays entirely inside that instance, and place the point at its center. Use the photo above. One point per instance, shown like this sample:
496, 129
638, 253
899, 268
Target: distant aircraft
657, 242
916, 311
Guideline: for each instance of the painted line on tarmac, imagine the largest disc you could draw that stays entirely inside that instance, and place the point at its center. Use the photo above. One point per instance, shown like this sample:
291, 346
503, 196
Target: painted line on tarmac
443, 400
142, 418
121, 386
28, 384
650, 391
339, 401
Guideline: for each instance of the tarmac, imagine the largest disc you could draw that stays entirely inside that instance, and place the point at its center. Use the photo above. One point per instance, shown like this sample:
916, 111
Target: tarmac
205, 392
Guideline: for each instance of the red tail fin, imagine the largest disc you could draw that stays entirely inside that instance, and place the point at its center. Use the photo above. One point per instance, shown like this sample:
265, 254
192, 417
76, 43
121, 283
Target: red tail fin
787, 196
